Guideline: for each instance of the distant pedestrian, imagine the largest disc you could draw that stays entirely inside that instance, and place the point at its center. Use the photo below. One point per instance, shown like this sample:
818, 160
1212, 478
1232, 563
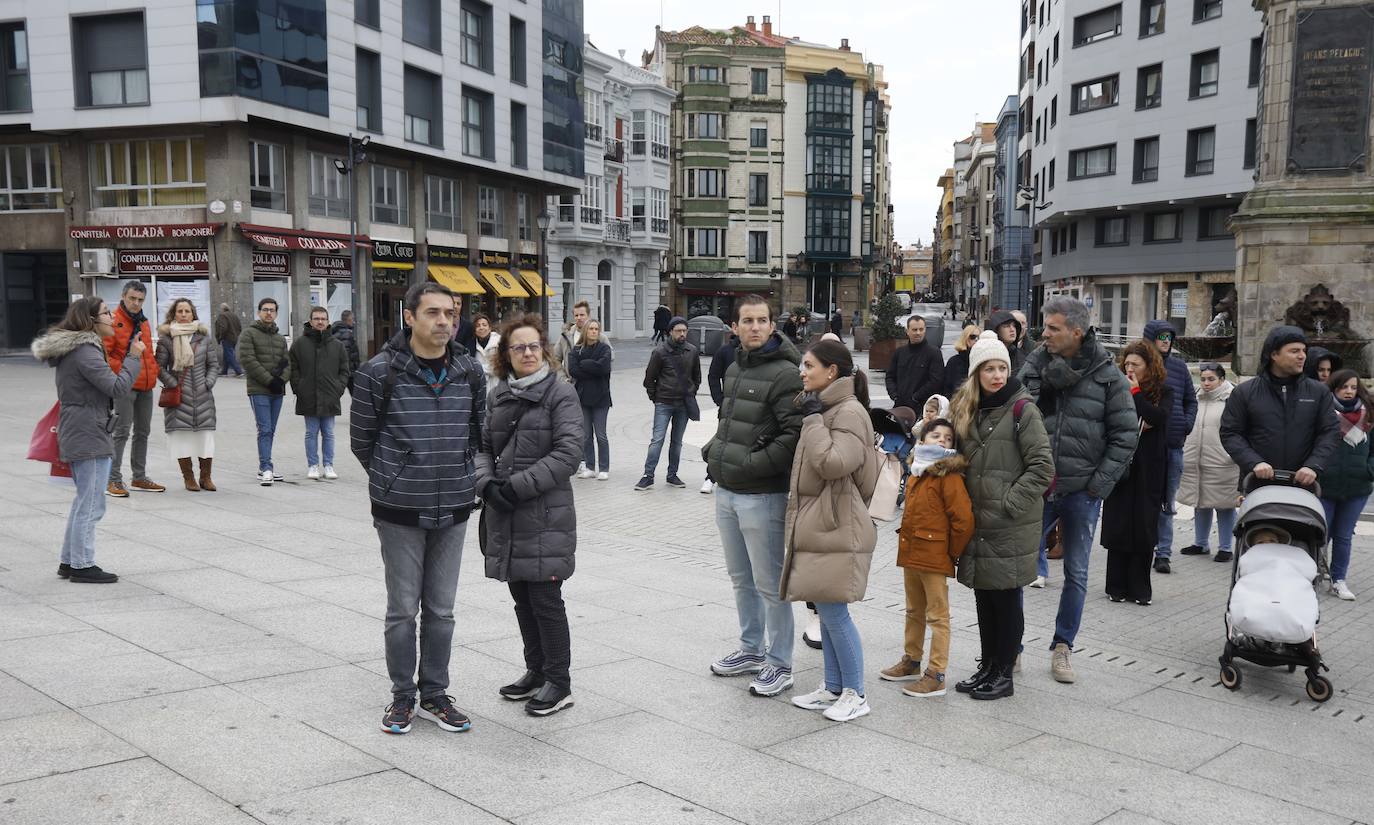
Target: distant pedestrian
1321, 363
917, 370
1008, 331
345, 333
134, 409
662, 316
570, 337
1349, 478
1182, 414
1023, 342
416, 421
188, 358
837, 324
791, 329
671, 380
530, 450
486, 341
86, 390
263, 350
228, 328
590, 367
463, 331
858, 319
1208, 483
956, 368
319, 376
830, 536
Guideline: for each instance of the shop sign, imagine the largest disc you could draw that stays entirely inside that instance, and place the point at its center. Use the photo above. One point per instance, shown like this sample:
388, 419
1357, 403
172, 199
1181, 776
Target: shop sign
330, 266
1178, 302
392, 252
448, 255
151, 231
494, 260
528, 262
390, 277
271, 263
164, 261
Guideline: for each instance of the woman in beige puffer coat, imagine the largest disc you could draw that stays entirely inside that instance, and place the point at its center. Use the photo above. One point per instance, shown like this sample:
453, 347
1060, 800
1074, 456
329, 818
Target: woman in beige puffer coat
1209, 474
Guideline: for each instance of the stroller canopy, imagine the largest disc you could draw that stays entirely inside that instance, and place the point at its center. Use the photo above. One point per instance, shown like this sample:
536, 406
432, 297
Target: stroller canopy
1294, 509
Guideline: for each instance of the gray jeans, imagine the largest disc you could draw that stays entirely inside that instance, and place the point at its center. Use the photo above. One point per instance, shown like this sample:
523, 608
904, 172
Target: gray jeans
134, 411
421, 579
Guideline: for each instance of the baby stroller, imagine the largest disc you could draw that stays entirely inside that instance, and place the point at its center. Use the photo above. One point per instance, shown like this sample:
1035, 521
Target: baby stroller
892, 434
1272, 611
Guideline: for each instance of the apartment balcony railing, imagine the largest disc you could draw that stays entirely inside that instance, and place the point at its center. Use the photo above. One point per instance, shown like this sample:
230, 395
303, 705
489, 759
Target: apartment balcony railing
659, 150
615, 150
618, 230
593, 131
591, 215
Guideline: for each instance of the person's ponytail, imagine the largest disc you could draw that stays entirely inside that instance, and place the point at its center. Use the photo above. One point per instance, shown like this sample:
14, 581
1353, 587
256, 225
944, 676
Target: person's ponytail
861, 387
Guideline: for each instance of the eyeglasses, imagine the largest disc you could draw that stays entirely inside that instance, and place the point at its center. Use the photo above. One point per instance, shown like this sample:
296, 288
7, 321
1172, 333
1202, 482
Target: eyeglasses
532, 349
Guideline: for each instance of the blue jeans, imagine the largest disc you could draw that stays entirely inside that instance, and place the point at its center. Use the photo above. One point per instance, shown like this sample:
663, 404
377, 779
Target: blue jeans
595, 440
842, 649
231, 359
1341, 516
266, 409
1202, 528
663, 414
321, 427
1164, 544
1077, 516
421, 572
751, 534
78, 543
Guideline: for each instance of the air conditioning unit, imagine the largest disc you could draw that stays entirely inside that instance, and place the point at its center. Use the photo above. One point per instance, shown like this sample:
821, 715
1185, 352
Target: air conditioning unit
98, 262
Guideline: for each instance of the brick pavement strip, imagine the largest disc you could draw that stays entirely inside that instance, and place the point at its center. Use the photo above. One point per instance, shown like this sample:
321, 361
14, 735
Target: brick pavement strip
235, 674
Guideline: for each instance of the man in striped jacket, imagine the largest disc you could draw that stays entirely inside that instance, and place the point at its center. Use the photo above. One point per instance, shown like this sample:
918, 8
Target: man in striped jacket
416, 424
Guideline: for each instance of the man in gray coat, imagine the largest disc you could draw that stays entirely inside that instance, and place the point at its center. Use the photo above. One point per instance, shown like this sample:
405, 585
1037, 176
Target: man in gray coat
1090, 417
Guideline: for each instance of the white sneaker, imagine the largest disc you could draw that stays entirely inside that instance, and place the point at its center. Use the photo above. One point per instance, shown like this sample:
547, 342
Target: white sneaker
1039, 582
329, 472
1340, 591
586, 472
707, 487
818, 699
848, 707
265, 478
276, 476
313, 473
602, 476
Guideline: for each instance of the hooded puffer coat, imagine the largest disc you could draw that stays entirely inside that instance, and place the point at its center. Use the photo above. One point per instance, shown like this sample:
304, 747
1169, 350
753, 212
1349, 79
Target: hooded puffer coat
197, 409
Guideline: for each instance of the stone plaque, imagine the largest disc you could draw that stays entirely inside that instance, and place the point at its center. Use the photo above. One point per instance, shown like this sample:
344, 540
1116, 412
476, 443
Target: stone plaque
1329, 117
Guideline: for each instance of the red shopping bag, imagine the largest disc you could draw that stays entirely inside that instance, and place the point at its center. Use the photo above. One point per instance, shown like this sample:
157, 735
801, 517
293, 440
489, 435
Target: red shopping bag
43, 443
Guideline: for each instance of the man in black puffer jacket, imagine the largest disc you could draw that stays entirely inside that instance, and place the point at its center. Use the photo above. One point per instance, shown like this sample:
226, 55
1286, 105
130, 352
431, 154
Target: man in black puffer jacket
671, 379
1181, 418
917, 370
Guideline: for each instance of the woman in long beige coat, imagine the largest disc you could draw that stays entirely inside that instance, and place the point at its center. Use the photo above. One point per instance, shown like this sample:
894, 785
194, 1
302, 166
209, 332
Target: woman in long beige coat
1209, 475
829, 533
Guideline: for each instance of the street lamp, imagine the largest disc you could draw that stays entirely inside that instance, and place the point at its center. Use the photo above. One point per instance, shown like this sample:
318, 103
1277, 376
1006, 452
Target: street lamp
356, 154
542, 221
1025, 198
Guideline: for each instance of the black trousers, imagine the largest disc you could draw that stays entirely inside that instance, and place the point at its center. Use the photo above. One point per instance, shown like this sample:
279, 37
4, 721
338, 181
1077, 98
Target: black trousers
1128, 575
544, 628
1001, 623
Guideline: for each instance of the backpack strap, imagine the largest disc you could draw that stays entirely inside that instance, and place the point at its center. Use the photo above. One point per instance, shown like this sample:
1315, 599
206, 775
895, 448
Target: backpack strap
1016, 410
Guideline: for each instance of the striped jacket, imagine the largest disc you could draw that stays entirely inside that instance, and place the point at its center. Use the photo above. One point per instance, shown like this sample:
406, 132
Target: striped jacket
419, 448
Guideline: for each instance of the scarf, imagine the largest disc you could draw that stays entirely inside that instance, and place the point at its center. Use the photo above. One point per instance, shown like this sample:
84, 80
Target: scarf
183, 354
1355, 425
992, 401
529, 380
924, 455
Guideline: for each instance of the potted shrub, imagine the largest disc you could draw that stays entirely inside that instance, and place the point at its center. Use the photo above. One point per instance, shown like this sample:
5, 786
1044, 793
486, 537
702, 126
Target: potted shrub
885, 332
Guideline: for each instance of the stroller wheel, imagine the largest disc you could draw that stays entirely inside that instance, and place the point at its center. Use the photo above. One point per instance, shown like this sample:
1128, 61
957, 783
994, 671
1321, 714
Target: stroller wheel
1318, 688
1230, 677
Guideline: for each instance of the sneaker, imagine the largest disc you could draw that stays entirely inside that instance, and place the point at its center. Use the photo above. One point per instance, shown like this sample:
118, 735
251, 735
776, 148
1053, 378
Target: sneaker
398, 715
1195, 550
313, 473
265, 478
522, 688
931, 684
276, 476
707, 487
1144, 602
92, 575
549, 700
812, 634
440, 710
586, 472
64, 571
771, 681
645, 483
147, 485
329, 472
1222, 555
1162, 565
848, 707
907, 670
1060, 666
738, 664
1116, 597
818, 699
674, 481
116, 489
1039, 582
602, 476
1341, 591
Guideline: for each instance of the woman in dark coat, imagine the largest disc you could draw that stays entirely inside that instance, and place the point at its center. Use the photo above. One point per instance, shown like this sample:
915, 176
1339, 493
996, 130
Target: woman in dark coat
589, 365
531, 444
1130, 515
188, 358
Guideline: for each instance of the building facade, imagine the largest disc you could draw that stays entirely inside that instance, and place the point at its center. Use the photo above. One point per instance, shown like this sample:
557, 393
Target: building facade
205, 149
916, 269
978, 210
1011, 237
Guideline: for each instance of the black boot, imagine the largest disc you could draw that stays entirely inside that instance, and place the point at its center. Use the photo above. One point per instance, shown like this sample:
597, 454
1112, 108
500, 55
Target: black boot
524, 687
982, 674
996, 686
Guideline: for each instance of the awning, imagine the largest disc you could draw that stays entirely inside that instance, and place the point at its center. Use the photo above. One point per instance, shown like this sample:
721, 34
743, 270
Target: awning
392, 265
536, 283
274, 237
502, 283
456, 278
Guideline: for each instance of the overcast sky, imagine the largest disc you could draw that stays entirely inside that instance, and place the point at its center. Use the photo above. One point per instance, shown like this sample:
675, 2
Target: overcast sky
946, 64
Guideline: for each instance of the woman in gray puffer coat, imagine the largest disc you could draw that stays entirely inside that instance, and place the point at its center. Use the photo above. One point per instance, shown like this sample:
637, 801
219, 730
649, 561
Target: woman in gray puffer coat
530, 448
187, 357
86, 389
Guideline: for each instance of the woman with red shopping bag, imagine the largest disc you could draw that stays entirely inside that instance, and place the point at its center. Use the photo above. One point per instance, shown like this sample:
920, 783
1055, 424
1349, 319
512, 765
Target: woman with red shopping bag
86, 390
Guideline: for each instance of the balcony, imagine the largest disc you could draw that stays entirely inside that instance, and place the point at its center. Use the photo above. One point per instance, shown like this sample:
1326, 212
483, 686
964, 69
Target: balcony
615, 150
593, 131
828, 182
617, 230
591, 214
659, 150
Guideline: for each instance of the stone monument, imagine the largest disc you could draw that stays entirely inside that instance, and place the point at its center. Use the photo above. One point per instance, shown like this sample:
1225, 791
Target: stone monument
1305, 233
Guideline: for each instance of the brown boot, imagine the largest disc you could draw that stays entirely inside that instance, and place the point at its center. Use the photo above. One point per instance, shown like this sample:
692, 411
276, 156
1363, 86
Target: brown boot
205, 482
187, 476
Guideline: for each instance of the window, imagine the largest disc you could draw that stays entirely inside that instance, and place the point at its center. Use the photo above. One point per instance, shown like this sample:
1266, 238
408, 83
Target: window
829, 105
1054, 110
1206, 72
14, 68
517, 50
1146, 165
420, 23
443, 203
30, 177
328, 196
1055, 60
274, 52
758, 81
491, 222
1151, 17
827, 227
1202, 148
1250, 129
658, 211
1206, 10
704, 74
111, 58
593, 190
1094, 94
128, 173
593, 115
639, 218
1114, 308
758, 136
1098, 25
703, 243
390, 195
829, 161
368, 13
1163, 227
523, 228
706, 125
424, 118
519, 138
1113, 231
1211, 222
758, 247
1256, 59
638, 133
1149, 86
369, 91
477, 125
1051, 174
658, 135
758, 189
267, 175
1073, 236
567, 208
475, 30
705, 183
1092, 162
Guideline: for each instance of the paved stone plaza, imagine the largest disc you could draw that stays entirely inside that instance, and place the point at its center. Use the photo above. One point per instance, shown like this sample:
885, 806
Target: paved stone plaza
235, 675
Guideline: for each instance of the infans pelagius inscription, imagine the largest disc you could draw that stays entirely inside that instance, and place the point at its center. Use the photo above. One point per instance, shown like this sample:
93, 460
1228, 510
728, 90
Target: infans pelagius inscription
1329, 117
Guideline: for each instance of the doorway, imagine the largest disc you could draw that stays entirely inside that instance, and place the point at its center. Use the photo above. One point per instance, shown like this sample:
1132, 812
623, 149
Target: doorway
33, 295
388, 301
605, 272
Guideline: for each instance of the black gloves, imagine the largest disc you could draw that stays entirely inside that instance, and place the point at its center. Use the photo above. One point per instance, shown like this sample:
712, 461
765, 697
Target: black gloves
810, 403
499, 496
276, 386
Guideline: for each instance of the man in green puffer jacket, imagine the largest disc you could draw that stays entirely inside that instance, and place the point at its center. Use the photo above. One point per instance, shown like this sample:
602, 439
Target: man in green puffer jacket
262, 352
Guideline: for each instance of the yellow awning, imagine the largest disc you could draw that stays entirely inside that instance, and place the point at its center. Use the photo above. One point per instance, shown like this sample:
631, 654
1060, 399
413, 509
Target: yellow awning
391, 265
456, 278
535, 283
503, 283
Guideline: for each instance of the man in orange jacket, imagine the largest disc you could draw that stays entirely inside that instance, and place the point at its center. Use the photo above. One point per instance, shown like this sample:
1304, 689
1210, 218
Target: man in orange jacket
133, 411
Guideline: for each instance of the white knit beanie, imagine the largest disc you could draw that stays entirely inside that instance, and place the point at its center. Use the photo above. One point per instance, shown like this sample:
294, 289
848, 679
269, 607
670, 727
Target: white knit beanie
988, 348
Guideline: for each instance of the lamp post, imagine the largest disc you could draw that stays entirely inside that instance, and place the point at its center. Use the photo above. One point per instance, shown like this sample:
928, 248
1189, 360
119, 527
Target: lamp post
356, 154
542, 220
1025, 196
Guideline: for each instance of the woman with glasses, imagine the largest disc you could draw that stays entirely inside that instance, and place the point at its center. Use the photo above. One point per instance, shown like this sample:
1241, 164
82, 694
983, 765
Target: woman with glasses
956, 368
531, 445
86, 389
1208, 484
